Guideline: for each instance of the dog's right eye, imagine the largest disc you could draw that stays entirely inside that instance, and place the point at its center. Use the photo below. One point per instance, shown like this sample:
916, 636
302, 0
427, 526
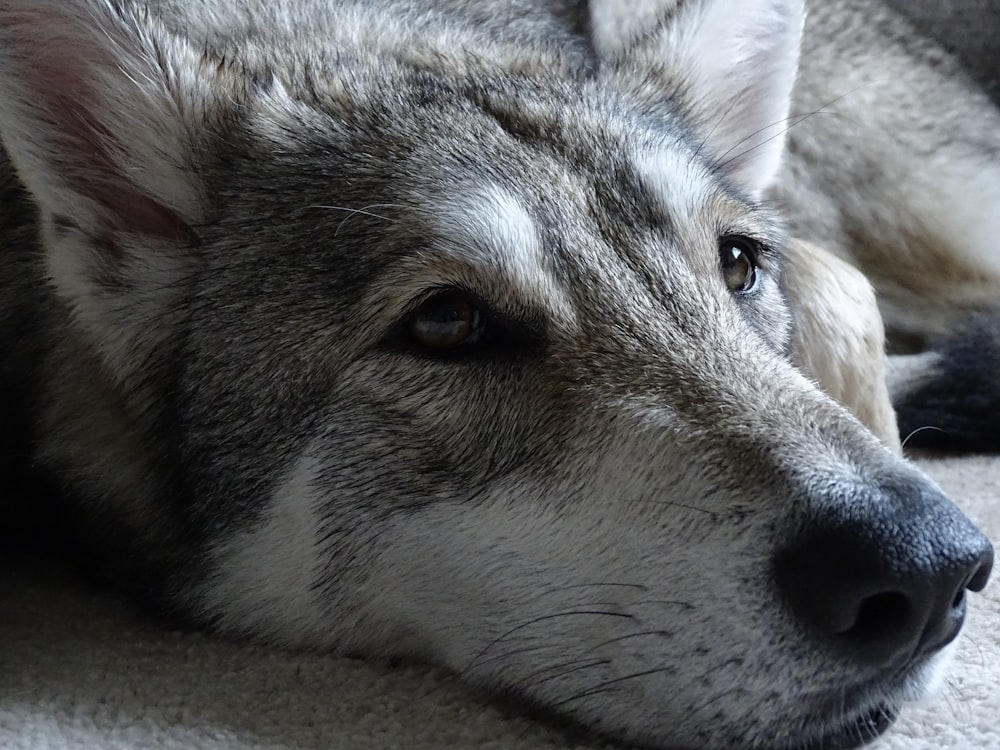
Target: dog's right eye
447, 321
456, 324
738, 256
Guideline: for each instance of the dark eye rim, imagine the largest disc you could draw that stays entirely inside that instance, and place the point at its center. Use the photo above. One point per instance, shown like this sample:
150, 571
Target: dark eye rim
444, 298
497, 335
755, 250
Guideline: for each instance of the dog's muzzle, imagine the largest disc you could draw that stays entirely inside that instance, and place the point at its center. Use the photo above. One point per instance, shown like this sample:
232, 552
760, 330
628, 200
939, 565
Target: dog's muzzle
880, 574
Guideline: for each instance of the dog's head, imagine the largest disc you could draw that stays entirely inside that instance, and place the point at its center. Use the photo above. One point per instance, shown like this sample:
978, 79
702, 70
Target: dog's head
475, 353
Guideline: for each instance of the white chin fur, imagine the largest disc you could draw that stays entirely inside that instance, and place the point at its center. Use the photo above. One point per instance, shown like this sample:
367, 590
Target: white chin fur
925, 683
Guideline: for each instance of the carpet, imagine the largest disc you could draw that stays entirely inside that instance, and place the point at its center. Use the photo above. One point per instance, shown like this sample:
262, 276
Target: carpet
82, 669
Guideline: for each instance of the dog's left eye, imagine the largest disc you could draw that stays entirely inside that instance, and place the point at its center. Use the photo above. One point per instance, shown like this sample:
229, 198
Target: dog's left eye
738, 256
446, 321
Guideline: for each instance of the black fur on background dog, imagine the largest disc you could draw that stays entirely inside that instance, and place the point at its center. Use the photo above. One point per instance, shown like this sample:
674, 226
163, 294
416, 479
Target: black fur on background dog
957, 406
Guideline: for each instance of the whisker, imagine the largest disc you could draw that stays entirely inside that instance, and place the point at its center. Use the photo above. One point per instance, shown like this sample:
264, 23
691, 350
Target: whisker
662, 503
642, 634
638, 586
796, 119
969, 638
716, 698
737, 661
664, 602
513, 652
718, 123
591, 649
603, 687
918, 431
543, 618
527, 681
963, 703
352, 212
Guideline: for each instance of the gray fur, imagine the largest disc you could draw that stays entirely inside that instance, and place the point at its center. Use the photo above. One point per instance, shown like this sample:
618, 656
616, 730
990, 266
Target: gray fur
906, 192
239, 207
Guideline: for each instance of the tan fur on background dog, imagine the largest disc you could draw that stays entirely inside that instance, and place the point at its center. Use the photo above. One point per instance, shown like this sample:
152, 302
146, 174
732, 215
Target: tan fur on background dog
838, 337
468, 331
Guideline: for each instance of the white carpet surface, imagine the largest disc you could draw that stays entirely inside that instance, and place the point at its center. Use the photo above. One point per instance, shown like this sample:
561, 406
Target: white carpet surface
81, 669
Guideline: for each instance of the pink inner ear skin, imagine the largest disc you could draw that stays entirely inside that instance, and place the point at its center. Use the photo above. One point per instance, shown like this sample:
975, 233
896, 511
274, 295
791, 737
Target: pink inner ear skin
146, 216
61, 126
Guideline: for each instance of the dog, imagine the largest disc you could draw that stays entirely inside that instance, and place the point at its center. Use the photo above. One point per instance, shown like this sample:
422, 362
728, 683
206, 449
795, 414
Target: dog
536, 340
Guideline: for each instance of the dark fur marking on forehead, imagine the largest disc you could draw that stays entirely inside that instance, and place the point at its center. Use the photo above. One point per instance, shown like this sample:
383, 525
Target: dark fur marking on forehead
516, 124
623, 198
233, 62
63, 225
577, 17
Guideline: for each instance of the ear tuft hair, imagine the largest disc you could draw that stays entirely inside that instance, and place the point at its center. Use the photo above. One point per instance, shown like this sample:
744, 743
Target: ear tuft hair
100, 111
732, 65
94, 118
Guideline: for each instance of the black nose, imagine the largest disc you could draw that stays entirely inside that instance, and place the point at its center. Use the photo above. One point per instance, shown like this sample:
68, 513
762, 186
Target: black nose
881, 572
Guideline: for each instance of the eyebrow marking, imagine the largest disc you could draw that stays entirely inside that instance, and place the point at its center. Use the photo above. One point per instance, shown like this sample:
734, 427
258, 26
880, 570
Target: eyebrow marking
492, 226
672, 180
487, 225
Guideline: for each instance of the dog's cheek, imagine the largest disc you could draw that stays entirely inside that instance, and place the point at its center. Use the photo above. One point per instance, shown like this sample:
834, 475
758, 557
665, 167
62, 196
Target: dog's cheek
769, 315
537, 574
264, 574
558, 605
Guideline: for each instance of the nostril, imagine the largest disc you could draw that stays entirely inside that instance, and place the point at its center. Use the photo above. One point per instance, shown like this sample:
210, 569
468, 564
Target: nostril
884, 579
880, 616
872, 603
978, 580
878, 624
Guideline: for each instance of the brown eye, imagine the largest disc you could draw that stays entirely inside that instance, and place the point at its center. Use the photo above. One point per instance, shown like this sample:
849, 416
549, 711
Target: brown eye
739, 263
447, 320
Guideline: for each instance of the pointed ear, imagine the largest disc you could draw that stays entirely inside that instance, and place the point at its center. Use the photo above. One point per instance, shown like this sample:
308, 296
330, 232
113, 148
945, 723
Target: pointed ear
93, 116
730, 65
98, 110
